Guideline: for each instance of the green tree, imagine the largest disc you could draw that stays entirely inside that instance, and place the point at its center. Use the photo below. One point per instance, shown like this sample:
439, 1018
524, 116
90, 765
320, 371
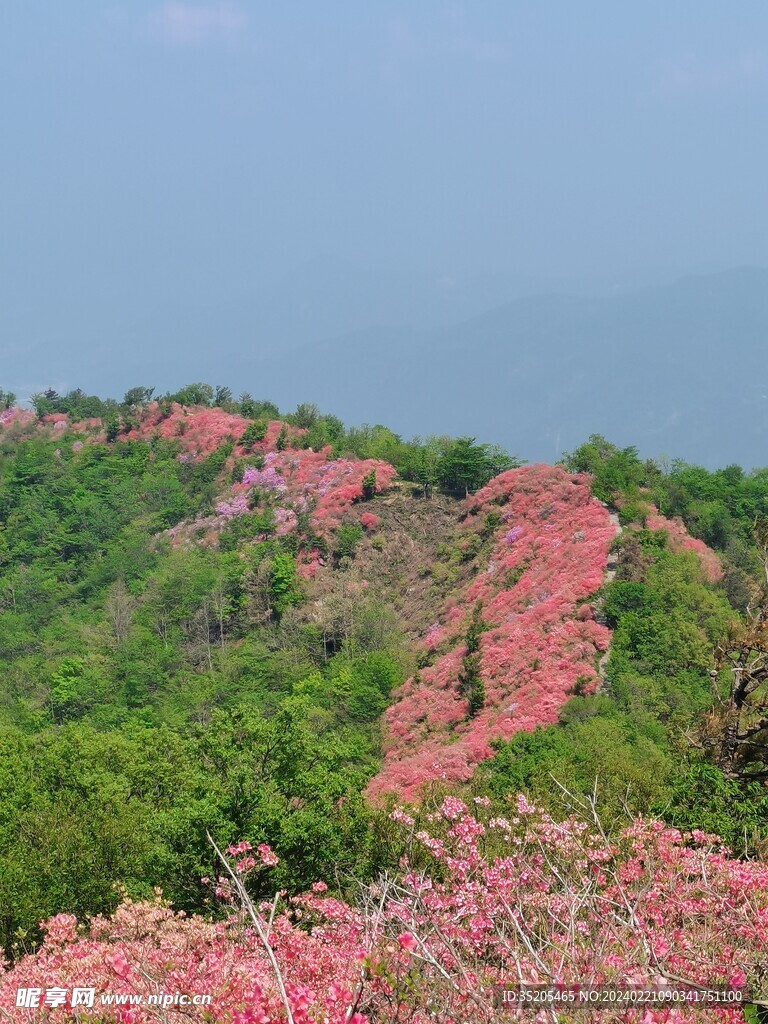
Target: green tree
254, 432
193, 394
616, 471
471, 684
348, 536
306, 415
284, 583
466, 466
258, 409
136, 397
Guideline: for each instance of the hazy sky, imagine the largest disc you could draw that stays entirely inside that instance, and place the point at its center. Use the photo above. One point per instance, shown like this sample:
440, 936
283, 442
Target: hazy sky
159, 155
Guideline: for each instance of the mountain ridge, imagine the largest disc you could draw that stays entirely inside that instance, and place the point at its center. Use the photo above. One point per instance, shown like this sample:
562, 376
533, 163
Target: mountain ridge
678, 369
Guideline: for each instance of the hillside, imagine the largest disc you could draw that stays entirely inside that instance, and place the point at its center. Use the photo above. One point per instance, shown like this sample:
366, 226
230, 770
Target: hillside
546, 543
322, 645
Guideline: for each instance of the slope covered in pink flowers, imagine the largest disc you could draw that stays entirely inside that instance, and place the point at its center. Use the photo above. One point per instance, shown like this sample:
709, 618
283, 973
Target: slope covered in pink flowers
293, 483
545, 541
290, 482
200, 430
547, 558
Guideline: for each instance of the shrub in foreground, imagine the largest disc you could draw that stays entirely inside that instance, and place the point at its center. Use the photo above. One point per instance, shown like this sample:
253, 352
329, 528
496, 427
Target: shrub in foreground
478, 901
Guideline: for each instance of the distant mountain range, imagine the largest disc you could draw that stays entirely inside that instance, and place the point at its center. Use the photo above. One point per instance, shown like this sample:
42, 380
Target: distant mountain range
680, 370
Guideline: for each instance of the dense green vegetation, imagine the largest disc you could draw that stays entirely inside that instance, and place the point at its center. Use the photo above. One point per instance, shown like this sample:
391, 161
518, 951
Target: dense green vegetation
720, 507
151, 692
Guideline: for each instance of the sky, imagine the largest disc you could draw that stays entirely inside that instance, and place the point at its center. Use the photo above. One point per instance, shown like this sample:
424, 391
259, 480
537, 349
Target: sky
167, 168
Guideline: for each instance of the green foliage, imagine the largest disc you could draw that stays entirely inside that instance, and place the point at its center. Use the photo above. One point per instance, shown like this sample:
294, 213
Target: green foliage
633, 512
369, 484
256, 524
471, 685
377, 443
258, 410
595, 748
492, 522
254, 432
423, 461
84, 810
615, 470
348, 536
326, 430
306, 415
455, 465
207, 470
476, 629
720, 506
622, 597
700, 796
75, 689
75, 404
466, 466
283, 583
137, 397
351, 692
193, 394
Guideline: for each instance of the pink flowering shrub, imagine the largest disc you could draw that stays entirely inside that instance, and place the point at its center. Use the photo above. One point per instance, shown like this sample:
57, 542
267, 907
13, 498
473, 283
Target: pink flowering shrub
369, 521
17, 417
199, 430
57, 420
146, 947
531, 899
267, 479
479, 901
681, 540
88, 426
238, 506
548, 557
303, 482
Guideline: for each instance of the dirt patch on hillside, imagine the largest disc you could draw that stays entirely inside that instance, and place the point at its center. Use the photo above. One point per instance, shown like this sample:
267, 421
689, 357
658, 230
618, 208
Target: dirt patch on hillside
412, 560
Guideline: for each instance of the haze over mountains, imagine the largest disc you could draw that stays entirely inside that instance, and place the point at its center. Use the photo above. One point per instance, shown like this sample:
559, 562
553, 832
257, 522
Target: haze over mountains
677, 369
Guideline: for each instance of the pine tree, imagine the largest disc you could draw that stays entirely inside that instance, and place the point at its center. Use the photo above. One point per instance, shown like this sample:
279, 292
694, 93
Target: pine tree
471, 683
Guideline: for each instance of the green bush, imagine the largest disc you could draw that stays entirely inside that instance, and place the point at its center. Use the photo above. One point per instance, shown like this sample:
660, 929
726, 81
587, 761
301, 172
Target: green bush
348, 536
